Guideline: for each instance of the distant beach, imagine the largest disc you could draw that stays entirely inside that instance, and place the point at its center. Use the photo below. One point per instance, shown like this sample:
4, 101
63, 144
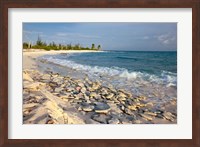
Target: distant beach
30, 54
78, 87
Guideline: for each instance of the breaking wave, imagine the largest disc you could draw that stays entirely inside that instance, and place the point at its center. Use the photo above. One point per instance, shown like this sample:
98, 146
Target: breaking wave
166, 78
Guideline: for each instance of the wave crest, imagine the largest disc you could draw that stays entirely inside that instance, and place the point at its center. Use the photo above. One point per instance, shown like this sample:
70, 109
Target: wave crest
166, 78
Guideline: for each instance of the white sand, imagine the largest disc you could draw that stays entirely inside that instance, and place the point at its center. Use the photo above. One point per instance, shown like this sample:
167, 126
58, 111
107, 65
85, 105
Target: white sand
30, 54
39, 52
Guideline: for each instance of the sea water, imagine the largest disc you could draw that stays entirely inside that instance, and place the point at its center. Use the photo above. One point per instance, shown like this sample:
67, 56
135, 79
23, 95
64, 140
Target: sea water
149, 73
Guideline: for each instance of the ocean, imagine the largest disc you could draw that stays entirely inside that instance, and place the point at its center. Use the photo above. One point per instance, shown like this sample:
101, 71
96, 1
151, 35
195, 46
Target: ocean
149, 73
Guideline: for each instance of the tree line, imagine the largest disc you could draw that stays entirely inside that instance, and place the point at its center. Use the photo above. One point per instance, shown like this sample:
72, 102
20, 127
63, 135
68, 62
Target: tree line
53, 46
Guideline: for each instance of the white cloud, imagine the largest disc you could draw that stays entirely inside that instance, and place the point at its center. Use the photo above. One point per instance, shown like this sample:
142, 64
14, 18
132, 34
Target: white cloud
59, 34
31, 32
166, 38
146, 37
166, 41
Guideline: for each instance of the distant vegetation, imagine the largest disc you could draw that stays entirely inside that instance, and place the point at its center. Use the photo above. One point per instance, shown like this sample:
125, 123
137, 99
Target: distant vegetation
53, 46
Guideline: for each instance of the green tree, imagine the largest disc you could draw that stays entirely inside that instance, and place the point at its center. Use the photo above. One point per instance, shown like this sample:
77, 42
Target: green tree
39, 41
93, 46
99, 47
54, 44
69, 46
59, 46
77, 46
44, 44
25, 45
64, 47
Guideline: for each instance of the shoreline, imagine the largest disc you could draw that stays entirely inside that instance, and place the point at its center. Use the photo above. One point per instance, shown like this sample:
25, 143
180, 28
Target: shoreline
50, 98
44, 52
30, 54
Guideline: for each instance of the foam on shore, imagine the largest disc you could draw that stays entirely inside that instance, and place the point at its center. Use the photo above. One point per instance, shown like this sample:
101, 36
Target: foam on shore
166, 78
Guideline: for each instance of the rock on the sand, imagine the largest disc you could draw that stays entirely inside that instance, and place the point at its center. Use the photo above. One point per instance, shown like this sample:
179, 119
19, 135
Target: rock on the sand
102, 107
168, 116
128, 111
26, 77
122, 95
46, 77
34, 86
114, 121
110, 96
102, 118
93, 94
58, 89
87, 108
147, 117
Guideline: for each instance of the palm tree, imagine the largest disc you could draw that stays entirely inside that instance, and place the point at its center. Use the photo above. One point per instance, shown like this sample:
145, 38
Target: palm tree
99, 47
69, 46
39, 41
93, 46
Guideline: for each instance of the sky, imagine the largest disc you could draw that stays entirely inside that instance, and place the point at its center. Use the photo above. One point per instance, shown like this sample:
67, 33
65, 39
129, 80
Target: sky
111, 36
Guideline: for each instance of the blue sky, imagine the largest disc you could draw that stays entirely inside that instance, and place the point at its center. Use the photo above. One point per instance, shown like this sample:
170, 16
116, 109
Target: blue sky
111, 36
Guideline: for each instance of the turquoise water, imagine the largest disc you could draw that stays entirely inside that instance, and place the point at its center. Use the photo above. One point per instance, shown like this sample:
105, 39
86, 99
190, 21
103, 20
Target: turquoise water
146, 62
137, 71
128, 64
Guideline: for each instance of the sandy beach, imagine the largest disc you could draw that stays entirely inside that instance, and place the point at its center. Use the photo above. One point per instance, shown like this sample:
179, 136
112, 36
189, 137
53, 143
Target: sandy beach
29, 54
51, 98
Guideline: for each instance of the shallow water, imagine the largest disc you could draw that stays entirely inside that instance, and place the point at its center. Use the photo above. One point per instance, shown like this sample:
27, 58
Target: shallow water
153, 74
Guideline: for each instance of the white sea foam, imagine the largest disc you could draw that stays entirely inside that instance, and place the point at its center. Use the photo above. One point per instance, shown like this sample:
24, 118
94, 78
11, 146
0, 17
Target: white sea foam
166, 78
